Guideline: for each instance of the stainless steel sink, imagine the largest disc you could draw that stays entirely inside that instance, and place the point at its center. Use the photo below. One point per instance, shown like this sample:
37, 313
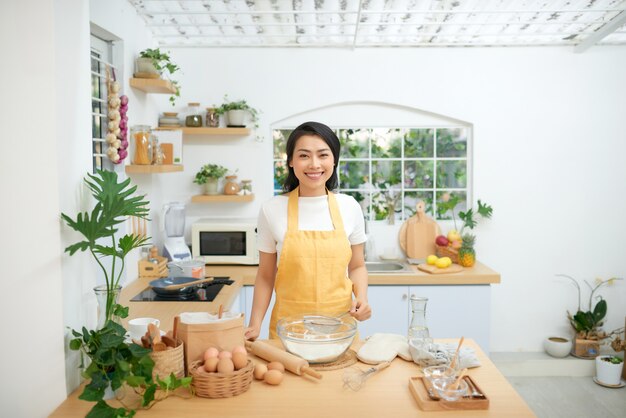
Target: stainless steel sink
386, 267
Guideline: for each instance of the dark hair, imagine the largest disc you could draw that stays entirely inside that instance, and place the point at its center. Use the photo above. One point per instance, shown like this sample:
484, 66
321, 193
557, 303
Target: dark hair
324, 132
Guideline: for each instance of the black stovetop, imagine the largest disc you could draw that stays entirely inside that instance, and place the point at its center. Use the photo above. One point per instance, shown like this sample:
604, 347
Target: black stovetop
204, 292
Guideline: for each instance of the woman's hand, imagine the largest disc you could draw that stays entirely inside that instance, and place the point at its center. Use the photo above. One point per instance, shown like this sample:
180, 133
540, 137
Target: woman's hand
252, 333
360, 310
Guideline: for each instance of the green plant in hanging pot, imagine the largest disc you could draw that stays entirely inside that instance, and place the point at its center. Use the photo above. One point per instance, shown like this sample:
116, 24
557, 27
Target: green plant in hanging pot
236, 112
209, 175
153, 61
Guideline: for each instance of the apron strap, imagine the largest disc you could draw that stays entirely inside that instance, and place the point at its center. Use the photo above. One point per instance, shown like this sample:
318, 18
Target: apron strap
292, 210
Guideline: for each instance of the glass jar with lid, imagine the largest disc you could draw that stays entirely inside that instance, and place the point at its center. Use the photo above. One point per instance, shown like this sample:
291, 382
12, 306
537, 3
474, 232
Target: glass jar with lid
231, 186
246, 186
141, 142
193, 117
212, 117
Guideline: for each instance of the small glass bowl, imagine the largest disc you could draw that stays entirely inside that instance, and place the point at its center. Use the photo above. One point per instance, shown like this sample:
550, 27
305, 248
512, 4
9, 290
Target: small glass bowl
439, 372
442, 386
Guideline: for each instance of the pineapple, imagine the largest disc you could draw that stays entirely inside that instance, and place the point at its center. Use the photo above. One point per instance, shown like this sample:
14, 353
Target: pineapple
467, 255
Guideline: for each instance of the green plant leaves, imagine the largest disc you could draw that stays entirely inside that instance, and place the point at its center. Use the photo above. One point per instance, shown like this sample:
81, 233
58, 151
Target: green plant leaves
599, 311
103, 410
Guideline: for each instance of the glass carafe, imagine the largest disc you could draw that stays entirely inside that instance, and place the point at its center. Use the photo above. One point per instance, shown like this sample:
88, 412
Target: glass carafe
418, 329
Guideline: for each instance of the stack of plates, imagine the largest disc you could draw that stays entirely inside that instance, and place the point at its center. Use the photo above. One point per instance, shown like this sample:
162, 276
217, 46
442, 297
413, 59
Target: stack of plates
169, 119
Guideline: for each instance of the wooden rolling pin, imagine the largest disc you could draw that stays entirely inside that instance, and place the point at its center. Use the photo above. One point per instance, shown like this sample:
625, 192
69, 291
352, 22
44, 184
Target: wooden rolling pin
292, 363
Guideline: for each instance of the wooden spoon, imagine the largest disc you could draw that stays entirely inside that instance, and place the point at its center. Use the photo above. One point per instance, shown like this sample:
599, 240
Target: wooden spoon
220, 312
175, 327
155, 333
188, 284
455, 384
456, 354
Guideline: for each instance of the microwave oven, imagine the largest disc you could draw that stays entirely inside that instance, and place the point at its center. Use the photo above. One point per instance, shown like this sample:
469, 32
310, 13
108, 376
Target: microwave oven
225, 241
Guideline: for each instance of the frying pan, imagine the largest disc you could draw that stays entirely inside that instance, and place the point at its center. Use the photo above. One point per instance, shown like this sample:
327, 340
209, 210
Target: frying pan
165, 286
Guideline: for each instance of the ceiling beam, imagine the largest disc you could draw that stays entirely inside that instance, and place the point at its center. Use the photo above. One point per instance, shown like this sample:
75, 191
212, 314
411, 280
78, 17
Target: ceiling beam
613, 24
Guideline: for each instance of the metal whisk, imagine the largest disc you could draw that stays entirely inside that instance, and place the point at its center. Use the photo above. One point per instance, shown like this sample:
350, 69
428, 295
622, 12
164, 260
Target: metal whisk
355, 378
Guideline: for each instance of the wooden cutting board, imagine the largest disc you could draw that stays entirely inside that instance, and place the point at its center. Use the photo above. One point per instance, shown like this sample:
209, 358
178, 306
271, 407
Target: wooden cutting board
454, 268
417, 234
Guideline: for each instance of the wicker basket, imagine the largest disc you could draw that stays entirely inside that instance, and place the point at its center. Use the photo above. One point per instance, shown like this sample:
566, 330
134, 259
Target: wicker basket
220, 385
448, 252
169, 361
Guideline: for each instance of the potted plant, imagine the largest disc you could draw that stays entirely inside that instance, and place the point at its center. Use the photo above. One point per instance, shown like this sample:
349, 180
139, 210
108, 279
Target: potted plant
587, 324
209, 175
152, 63
236, 112
609, 370
113, 361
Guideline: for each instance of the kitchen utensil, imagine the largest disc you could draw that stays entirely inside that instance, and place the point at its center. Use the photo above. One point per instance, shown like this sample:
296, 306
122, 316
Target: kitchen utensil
474, 392
176, 285
323, 324
188, 268
155, 334
175, 327
169, 341
458, 381
454, 268
220, 311
355, 378
315, 347
456, 354
138, 326
417, 234
292, 363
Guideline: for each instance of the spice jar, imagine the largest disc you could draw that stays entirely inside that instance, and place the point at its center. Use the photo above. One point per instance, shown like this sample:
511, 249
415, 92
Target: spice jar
246, 186
194, 115
212, 118
231, 187
157, 153
141, 141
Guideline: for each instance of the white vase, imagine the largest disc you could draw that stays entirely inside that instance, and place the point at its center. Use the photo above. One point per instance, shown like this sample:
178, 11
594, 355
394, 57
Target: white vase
144, 65
236, 117
607, 372
557, 346
211, 186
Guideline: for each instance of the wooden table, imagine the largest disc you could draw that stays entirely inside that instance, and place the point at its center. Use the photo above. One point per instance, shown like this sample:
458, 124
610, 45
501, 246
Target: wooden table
384, 395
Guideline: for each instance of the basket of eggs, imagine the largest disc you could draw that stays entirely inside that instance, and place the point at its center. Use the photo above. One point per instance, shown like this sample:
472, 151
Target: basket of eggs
222, 373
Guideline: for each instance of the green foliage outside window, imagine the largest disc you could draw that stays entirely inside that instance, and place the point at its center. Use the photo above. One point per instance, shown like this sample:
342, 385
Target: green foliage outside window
378, 165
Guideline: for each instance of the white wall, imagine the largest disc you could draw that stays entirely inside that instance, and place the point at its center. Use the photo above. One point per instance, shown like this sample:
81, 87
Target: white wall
31, 357
548, 153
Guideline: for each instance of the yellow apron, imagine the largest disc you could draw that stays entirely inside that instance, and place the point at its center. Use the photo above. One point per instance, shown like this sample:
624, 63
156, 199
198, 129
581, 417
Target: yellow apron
312, 275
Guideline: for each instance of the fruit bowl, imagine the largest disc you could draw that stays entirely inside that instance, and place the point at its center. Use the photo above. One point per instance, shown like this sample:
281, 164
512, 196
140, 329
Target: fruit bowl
316, 344
448, 252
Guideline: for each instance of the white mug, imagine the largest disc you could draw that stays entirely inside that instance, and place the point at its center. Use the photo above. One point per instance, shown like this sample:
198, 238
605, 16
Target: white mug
137, 327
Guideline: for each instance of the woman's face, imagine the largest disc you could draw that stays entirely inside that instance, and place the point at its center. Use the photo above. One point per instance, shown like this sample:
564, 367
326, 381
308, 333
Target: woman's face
313, 164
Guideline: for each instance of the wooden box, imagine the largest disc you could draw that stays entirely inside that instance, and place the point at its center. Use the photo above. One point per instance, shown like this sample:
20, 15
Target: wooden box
585, 348
153, 270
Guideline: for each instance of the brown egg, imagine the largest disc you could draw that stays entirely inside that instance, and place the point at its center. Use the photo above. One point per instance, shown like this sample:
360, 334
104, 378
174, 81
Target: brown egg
224, 354
240, 360
210, 365
273, 377
210, 352
225, 365
275, 365
259, 371
239, 349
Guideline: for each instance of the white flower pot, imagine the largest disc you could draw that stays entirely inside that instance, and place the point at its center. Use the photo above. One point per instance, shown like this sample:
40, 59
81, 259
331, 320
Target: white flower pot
557, 346
211, 186
608, 373
236, 117
144, 65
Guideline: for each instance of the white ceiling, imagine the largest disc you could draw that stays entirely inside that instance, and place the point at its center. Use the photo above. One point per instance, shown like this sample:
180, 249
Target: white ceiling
384, 23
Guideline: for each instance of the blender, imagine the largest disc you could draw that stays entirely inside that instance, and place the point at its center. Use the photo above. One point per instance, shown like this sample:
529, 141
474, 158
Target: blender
174, 247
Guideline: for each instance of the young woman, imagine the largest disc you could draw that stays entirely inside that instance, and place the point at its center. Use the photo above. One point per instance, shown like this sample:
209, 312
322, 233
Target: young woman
310, 239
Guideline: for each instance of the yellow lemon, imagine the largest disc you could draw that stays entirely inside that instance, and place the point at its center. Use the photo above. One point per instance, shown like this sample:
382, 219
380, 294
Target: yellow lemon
431, 259
441, 263
448, 261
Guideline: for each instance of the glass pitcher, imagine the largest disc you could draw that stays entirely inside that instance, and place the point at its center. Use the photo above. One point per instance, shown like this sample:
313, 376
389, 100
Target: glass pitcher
418, 329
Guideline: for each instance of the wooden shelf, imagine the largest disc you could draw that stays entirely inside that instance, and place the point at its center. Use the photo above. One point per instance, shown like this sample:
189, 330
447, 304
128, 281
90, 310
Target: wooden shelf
148, 169
153, 85
208, 131
221, 198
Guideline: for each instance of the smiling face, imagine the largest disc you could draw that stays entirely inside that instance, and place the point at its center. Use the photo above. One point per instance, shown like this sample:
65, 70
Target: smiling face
313, 164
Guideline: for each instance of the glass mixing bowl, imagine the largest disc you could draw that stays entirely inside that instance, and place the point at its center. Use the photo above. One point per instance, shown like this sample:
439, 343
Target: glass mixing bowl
305, 337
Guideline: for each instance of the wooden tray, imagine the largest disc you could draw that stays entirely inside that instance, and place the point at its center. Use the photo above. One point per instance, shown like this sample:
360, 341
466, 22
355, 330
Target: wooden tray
454, 268
420, 393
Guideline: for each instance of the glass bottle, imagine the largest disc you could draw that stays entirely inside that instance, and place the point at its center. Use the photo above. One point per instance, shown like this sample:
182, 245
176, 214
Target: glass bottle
212, 118
141, 142
231, 186
194, 115
246, 186
418, 329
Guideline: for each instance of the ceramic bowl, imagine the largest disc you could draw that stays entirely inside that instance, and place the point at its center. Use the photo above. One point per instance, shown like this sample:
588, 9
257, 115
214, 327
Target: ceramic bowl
558, 346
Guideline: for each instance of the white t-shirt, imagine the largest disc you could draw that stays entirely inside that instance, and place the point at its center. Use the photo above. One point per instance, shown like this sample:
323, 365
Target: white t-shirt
313, 215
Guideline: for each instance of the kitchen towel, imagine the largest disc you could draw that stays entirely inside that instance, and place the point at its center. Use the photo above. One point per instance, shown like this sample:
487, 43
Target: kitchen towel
441, 354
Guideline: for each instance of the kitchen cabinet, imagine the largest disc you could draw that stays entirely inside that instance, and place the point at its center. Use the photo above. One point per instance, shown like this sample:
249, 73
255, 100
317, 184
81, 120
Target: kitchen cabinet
452, 311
